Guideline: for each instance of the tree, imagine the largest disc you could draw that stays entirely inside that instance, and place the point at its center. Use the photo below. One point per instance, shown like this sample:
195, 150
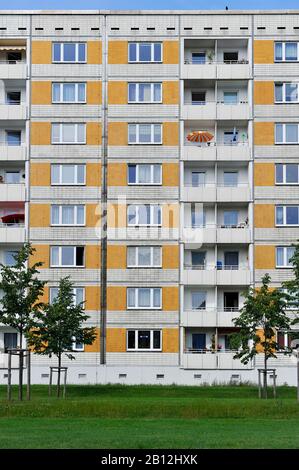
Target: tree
20, 302
292, 287
263, 314
60, 324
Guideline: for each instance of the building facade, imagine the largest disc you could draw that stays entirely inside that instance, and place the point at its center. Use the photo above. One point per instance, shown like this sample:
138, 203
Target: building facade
160, 235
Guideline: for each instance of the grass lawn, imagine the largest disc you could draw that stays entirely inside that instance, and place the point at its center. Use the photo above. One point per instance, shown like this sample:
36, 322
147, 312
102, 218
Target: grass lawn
116, 416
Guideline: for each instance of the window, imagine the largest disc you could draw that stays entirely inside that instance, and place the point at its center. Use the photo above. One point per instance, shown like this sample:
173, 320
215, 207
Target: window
230, 97
198, 178
65, 133
77, 346
286, 133
198, 216
69, 52
283, 256
286, 51
198, 97
69, 92
67, 256
198, 300
230, 57
13, 137
198, 57
10, 341
9, 258
144, 340
287, 215
145, 52
12, 177
230, 218
144, 298
230, 178
231, 137
145, 133
286, 93
13, 97
145, 92
287, 173
14, 57
148, 214
144, 257
78, 292
67, 215
145, 174
67, 174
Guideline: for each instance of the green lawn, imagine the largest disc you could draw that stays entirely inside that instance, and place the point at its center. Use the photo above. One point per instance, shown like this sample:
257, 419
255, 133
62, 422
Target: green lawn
118, 416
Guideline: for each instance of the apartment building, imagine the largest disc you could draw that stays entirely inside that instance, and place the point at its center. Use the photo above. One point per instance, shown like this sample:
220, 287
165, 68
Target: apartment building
160, 235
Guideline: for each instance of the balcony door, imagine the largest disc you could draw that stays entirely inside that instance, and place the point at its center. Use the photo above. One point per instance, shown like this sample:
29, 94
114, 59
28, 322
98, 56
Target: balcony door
198, 57
198, 259
198, 178
198, 341
231, 301
198, 97
231, 259
10, 341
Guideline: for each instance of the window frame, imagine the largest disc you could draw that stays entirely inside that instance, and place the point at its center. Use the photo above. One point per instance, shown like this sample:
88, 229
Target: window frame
284, 182
283, 43
61, 85
74, 292
61, 124
152, 165
284, 215
60, 208
137, 132
60, 165
284, 124
151, 349
138, 61
151, 306
60, 265
62, 61
151, 224
284, 101
152, 101
151, 265
285, 264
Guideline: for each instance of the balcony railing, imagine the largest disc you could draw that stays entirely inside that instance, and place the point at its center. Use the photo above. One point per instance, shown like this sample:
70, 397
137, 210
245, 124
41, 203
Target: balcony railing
12, 62
209, 351
214, 144
223, 267
200, 61
213, 309
212, 185
229, 226
203, 103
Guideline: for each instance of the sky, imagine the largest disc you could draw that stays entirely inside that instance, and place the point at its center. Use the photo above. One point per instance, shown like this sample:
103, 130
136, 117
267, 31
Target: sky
147, 4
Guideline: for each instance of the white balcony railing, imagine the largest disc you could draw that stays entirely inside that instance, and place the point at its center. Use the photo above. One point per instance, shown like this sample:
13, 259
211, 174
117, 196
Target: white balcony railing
217, 359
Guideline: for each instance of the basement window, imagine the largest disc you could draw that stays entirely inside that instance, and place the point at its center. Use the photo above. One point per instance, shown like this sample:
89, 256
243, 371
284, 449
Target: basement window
134, 29
114, 29
75, 29
122, 376
281, 27
170, 29
243, 28
58, 29
39, 29
188, 29
208, 29
82, 376
160, 376
151, 29
261, 28
44, 376
22, 29
95, 29
197, 376
3, 29
223, 28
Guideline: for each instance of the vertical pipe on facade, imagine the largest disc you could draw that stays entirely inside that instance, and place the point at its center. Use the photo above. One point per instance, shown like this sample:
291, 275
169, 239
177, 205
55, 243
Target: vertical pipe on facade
28, 129
104, 194
252, 267
180, 241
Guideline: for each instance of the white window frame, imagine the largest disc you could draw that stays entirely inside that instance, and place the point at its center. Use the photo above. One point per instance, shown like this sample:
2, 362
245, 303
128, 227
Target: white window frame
75, 183
152, 183
283, 52
74, 292
75, 141
152, 84
60, 265
137, 142
151, 224
62, 61
61, 85
75, 206
285, 264
76, 349
152, 53
284, 92
151, 265
151, 340
151, 306
284, 181
284, 224
284, 142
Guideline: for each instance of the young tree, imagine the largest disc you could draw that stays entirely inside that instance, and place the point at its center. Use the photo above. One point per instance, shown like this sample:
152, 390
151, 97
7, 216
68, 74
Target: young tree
59, 325
292, 287
20, 302
263, 314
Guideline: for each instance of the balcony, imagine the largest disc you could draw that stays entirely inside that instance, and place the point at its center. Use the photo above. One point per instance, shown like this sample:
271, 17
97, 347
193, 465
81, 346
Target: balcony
14, 361
11, 69
198, 359
12, 192
237, 193
211, 275
233, 234
233, 275
199, 318
12, 233
222, 70
212, 110
194, 236
16, 111
12, 153
238, 151
210, 192
199, 275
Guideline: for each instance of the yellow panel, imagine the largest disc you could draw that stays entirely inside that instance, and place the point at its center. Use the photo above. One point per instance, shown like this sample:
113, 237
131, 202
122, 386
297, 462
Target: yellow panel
117, 52
93, 215
40, 133
263, 51
40, 174
170, 256
264, 257
116, 257
94, 52
93, 174
170, 340
95, 346
41, 52
264, 174
170, 52
117, 92
94, 92
116, 340
92, 298
41, 93
118, 133
171, 133
264, 133
263, 92
39, 215
171, 92
170, 215
93, 257
171, 174
117, 174
42, 254
93, 133
264, 215
116, 215
116, 298
170, 298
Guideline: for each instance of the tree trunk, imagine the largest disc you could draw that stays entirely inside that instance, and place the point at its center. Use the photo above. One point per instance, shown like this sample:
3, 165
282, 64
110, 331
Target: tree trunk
21, 368
58, 375
265, 378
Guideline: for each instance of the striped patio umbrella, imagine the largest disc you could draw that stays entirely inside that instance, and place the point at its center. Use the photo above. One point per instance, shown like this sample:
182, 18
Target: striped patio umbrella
199, 136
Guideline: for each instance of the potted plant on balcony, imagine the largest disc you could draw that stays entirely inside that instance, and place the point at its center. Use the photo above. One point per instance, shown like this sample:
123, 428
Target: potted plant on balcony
210, 56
